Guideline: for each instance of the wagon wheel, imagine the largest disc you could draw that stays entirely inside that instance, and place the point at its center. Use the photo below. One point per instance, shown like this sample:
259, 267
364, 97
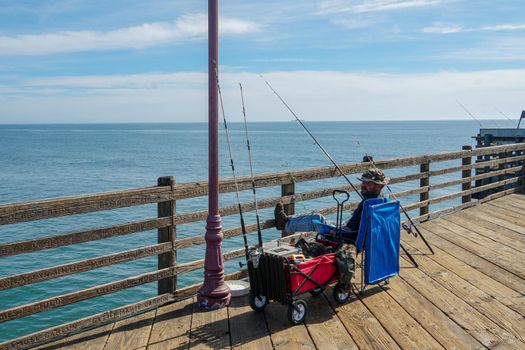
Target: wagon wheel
340, 294
297, 312
258, 303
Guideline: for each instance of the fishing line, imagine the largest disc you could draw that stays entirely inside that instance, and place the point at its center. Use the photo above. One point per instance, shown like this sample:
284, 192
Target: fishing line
312, 136
259, 234
503, 114
407, 228
466, 110
243, 227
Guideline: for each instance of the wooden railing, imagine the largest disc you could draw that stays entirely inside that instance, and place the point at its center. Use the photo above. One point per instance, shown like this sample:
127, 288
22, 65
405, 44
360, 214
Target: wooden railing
508, 169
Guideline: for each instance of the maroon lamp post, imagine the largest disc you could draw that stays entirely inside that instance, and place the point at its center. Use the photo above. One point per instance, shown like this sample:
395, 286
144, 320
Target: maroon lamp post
214, 293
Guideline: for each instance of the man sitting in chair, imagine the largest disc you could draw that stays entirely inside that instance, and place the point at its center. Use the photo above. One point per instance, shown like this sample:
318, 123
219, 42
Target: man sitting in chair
372, 183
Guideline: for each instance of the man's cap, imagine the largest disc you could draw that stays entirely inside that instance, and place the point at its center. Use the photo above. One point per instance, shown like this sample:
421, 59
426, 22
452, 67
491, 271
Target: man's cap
375, 175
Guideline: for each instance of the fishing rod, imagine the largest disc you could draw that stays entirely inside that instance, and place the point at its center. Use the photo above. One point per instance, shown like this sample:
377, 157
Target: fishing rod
259, 234
312, 136
471, 115
340, 171
243, 227
407, 228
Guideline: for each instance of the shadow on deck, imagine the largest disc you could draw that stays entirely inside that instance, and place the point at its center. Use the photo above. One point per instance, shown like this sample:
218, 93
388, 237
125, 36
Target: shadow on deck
468, 295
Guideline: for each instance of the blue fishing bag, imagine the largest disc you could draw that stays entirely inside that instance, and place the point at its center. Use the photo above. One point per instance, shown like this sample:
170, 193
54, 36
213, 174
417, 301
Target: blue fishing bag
379, 237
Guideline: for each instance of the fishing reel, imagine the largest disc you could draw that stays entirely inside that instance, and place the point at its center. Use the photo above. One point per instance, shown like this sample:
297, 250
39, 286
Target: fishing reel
408, 228
254, 254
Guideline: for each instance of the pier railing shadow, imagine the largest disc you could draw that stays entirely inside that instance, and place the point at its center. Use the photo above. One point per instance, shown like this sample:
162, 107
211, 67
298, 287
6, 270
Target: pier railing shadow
498, 172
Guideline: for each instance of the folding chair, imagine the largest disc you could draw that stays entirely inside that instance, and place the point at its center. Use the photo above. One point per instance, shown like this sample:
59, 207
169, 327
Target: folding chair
378, 241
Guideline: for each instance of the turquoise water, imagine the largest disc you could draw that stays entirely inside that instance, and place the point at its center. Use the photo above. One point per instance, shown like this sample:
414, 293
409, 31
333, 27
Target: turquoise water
44, 161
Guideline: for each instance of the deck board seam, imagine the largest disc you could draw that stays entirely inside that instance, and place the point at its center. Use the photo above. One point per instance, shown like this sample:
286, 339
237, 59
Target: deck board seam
481, 272
486, 236
474, 306
473, 252
340, 320
386, 330
415, 320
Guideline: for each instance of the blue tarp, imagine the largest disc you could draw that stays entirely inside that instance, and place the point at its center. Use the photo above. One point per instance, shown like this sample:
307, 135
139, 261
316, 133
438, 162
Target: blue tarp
379, 233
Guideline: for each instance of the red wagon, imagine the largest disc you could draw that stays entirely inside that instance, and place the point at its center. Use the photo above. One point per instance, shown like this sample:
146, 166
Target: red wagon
279, 278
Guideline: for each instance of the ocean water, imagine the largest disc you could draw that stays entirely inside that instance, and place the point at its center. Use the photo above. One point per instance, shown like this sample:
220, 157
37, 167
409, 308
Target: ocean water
45, 161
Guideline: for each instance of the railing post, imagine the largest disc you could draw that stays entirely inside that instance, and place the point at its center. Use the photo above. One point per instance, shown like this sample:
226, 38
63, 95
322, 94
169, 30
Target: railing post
286, 190
465, 174
425, 181
501, 167
167, 234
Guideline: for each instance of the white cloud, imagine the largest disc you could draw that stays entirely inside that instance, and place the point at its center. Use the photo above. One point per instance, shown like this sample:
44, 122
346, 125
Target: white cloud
364, 6
355, 23
442, 29
451, 29
191, 27
314, 95
494, 49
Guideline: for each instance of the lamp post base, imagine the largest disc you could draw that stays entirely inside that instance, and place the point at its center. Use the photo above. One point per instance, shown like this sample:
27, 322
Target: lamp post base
213, 303
214, 293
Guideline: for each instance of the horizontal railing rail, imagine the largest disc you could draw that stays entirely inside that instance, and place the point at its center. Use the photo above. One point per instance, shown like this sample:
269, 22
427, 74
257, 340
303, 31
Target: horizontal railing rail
502, 165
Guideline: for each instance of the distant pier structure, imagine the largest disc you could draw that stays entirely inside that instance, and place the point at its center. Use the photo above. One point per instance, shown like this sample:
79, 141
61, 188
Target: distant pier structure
494, 137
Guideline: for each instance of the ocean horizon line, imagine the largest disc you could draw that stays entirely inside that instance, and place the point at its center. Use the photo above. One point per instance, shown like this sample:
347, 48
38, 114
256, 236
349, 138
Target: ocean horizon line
251, 122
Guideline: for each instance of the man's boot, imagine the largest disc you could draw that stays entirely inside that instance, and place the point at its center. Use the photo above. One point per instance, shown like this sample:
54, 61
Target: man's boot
280, 217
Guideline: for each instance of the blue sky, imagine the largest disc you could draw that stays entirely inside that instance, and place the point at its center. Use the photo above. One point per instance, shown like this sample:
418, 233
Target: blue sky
142, 61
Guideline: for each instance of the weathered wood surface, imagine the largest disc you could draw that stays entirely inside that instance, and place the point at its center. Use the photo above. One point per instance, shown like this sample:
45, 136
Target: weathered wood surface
80, 266
55, 241
70, 298
49, 334
469, 295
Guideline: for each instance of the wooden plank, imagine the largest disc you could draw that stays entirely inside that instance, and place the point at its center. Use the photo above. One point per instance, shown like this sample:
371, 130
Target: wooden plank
503, 316
510, 216
479, 326
475, 234
509, 238
501, 220
323, 325
480, 250
33, 245
283, 334
483, 281
476, 262
80, 266
364, 328
46, 335
483, 221
248, 329
70, 298
171, 329
209, 329
518, 198
510, 205
51, 208
94, 339
407, 332
131, 333
437, 323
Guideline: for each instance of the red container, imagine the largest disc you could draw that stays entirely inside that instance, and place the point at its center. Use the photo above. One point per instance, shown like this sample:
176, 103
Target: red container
322, 269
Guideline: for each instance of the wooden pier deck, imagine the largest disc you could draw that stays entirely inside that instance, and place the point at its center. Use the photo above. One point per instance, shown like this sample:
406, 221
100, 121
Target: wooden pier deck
469, 295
